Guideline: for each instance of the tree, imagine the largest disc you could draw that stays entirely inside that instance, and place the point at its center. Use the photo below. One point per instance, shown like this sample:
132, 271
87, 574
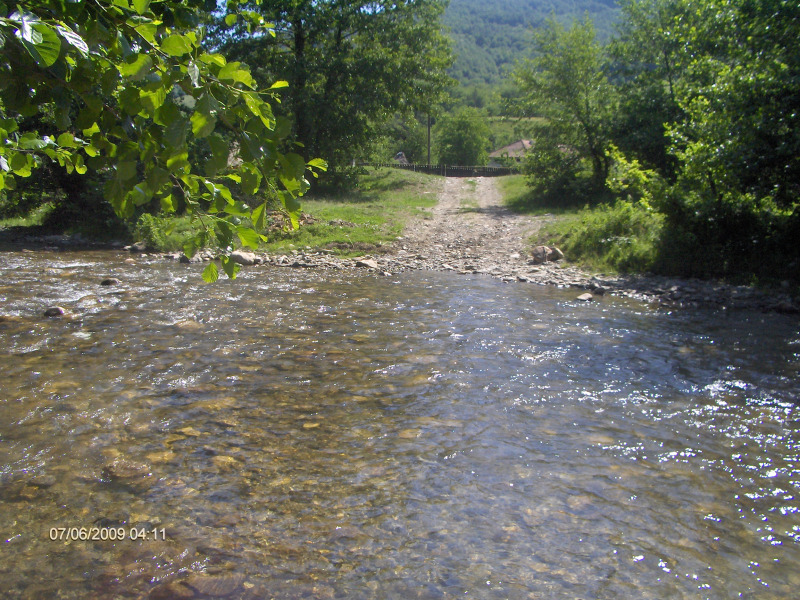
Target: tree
649, 62
463, 138
566, 86
351, 65
131, 92
738, 190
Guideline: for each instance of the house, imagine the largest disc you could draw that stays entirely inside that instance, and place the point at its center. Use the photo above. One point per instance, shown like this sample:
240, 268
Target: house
513, 153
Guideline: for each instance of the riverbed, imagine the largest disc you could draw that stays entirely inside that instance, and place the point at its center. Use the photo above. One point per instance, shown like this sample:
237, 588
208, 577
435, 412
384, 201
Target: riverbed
340, 434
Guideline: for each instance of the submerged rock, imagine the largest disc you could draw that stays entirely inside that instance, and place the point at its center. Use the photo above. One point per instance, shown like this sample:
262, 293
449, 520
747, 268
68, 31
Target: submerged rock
110, 281
55, 311
128, 472
174, 590
585, 297
215, 586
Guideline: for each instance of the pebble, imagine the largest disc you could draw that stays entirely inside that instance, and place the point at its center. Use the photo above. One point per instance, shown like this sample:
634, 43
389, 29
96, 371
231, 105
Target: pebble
55, 311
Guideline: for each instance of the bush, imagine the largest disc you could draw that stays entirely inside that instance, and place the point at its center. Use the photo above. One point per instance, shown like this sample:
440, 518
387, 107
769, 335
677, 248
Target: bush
167, 234
623, 236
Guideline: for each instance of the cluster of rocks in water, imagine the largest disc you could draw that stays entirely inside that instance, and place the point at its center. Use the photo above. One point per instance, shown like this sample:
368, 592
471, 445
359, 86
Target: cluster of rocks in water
543, 265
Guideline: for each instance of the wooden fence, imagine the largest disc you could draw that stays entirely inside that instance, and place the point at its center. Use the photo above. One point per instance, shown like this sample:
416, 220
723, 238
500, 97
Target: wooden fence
451, 171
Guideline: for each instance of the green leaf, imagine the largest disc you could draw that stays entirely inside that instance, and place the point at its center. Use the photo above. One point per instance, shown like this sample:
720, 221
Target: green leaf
25, 20
219, 155
179, 161
212, 59
167, 204
176, 45
318, 163
152, 100
231, 19
129, 101
140, 194
250, 178
126, 170
279, 84
136, 67
73, 39
210, 273
66, 140
248, 237
80, 167
46, 45
148, 32
141, 6
235, 72
21, 164
259, 217
231, 268
203, 124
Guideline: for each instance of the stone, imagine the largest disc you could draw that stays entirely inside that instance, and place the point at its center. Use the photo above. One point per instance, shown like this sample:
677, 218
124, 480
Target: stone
543, 254
598, 290
367, 263
110, 281
215, 586
585, 297
55, 311
174, 590
244, 258
136, 247
787, 308
126, 470
187, 260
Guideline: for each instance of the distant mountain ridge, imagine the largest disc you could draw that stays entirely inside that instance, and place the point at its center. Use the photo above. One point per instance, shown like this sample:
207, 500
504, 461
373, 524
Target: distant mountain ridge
490, 35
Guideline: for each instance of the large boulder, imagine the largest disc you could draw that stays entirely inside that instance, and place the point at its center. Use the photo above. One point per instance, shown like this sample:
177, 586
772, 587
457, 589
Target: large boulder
244, 258
543, 254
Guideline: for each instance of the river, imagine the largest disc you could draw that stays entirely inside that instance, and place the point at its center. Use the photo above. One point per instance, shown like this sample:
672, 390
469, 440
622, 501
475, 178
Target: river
334, 434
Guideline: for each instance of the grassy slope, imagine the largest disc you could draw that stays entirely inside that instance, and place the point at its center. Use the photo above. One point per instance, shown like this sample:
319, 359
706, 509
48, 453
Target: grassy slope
603, 235
377, 211
348, 224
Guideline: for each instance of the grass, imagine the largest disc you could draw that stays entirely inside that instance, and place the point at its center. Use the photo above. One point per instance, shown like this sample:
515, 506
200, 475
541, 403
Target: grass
363, 219
348, 224
470, 203
596, 232
520, 198
33, 219
619, 237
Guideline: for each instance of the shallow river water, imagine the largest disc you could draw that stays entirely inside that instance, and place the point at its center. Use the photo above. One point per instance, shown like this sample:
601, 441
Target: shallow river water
308, 434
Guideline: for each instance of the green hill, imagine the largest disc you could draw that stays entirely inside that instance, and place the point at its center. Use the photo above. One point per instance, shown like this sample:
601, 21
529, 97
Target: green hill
489, 35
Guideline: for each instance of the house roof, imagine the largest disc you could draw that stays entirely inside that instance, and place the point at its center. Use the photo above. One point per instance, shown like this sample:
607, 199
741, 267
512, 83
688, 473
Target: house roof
515, 150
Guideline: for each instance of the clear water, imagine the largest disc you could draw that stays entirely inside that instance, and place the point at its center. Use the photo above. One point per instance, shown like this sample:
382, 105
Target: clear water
306, 434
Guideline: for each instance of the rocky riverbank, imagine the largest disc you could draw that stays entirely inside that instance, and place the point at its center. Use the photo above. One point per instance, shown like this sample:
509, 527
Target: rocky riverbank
523, 269
472, 233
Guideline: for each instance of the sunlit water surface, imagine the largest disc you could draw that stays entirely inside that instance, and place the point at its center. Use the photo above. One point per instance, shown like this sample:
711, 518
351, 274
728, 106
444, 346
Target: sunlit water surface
306, 434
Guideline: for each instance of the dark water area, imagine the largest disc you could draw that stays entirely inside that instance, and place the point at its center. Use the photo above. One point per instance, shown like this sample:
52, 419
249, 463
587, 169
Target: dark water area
309, 434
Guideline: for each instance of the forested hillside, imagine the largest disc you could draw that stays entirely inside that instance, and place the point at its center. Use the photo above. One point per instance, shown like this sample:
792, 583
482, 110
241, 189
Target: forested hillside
489, 35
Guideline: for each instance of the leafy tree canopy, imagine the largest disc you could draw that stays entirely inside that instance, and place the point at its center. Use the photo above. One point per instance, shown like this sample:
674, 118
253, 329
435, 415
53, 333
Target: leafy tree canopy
132, 92
464, 138
565, 84
351, 65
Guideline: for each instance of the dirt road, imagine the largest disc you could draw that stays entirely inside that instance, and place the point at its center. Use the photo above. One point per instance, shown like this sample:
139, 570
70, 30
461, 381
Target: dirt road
471, 231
